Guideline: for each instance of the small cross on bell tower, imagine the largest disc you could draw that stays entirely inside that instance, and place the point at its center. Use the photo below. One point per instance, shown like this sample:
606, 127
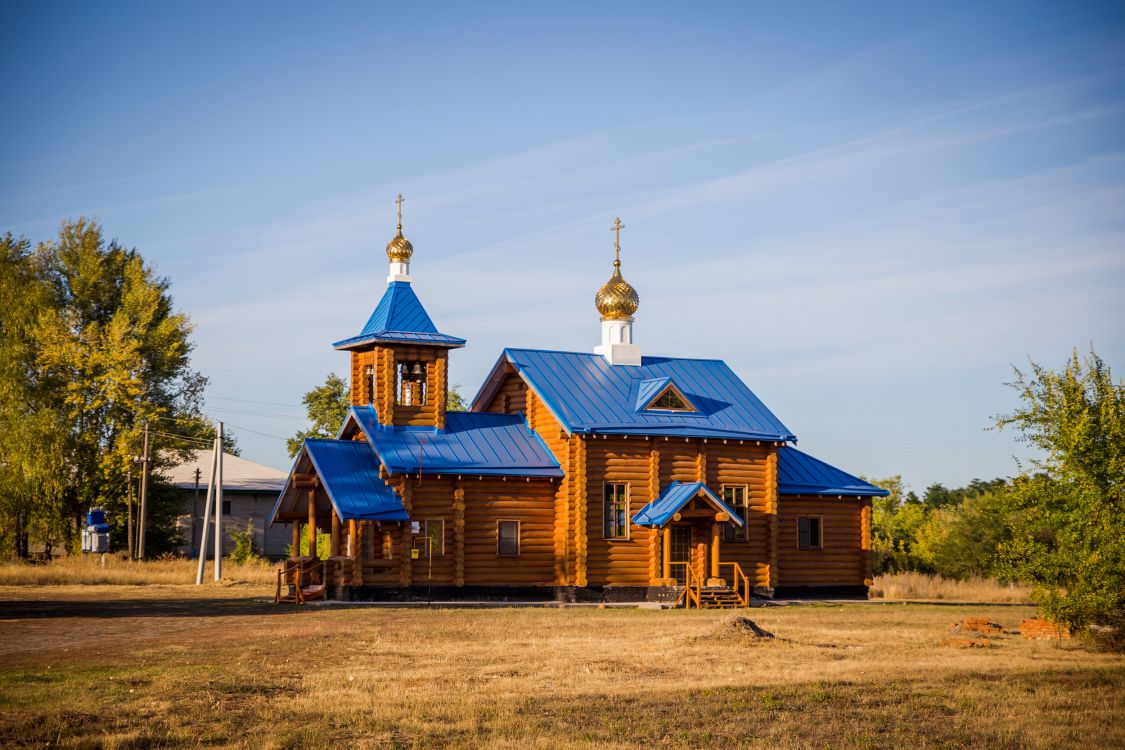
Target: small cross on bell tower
399, 250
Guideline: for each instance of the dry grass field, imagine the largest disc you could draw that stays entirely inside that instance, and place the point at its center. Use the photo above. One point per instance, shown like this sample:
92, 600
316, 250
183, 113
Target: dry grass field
111, 570
925, 587
218, 666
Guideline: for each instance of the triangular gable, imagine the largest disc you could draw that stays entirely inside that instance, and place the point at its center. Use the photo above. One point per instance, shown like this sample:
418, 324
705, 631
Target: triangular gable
662, 394
672, 500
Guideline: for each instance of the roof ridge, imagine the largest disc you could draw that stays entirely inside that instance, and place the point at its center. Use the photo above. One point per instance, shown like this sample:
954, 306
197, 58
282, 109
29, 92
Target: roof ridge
592, 354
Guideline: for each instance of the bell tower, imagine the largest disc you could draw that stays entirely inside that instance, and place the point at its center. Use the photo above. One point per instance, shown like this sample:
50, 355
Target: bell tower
399, 361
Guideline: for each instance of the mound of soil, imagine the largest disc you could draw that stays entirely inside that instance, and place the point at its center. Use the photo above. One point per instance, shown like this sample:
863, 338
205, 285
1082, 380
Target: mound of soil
741, 627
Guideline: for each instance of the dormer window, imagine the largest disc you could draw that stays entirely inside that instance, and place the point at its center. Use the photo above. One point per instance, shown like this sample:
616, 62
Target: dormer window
661, 394
411, 386
670, 400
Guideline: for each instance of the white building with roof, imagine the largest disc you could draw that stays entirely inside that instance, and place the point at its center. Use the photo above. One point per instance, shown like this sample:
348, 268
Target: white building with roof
249, 492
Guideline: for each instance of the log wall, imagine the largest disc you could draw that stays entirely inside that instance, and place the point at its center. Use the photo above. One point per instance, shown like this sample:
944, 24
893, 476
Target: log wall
532, 504
843, 559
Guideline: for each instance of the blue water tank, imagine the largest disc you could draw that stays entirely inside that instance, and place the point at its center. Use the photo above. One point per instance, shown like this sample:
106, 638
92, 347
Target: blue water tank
95, 517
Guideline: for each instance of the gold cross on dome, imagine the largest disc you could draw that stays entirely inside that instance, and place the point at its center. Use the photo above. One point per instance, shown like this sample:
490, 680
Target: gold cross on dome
616, 229
398, 206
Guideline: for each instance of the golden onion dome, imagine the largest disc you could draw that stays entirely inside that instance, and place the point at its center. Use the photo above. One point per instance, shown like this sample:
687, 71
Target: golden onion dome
399, 248
617, 299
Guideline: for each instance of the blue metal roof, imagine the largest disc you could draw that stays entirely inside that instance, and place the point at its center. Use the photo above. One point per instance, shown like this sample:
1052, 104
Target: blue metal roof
349, 472
399, 317
471, 443
674, 497
800, 474
587, 394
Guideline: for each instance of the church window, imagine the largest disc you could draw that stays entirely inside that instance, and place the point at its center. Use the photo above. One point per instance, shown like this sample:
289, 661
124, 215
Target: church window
366, 542
670, 400
809, 533
411, 385
435, 533
508, 538
615, 510
734, 496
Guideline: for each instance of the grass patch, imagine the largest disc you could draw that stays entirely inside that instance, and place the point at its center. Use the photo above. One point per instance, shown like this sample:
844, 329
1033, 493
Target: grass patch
248, 674
926, 587
111, 570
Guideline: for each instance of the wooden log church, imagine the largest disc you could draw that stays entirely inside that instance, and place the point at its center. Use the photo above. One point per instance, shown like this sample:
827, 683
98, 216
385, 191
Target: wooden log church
603, 475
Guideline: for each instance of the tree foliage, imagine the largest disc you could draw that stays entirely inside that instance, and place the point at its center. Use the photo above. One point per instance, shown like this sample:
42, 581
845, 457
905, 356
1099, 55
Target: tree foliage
1067, 509
955, 532
91, 348
327, 407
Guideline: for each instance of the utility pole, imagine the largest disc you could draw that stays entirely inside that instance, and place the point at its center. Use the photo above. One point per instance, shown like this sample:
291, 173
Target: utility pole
129, 506
144, 498
195, 508
219, 506
207, 515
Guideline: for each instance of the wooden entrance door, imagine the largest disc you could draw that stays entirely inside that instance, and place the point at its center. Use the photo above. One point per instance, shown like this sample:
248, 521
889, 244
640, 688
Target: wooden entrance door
680, 552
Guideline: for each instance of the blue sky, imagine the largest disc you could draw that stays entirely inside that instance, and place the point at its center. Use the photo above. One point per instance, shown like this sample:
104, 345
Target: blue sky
870, 210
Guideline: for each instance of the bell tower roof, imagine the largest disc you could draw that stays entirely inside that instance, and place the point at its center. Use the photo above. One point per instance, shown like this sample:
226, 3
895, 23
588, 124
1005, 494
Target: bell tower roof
399, 318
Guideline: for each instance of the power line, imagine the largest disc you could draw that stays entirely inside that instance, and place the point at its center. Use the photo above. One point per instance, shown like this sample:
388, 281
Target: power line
248, 401
201, 441
263, 434
259, 414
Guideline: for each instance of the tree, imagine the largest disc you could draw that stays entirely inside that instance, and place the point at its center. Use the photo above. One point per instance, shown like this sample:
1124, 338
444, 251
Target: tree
962, 540
1068, 509
894, 523
327, 407
95, 351
454, 401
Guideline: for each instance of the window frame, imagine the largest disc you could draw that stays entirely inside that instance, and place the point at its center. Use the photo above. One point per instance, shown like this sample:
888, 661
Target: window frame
687, 407
500, 537
819, 546
605, 518
740, 534
228, 508
426, 534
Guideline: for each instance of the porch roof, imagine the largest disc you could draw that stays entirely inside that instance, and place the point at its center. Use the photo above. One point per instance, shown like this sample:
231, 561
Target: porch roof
674, 497
349, 473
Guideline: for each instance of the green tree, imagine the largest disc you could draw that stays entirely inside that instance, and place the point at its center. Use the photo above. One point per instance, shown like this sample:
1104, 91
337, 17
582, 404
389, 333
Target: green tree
963, 540
895, 520
1068, 509
327, 407
96, 350
454, 401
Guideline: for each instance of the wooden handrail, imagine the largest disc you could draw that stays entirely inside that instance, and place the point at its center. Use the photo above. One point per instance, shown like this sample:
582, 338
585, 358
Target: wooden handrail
740, 582
692, 589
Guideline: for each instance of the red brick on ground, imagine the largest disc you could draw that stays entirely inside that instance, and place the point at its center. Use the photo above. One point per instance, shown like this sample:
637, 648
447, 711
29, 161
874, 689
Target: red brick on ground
1042, 629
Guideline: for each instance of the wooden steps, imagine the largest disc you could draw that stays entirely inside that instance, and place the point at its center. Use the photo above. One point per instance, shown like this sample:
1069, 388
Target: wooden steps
719, 597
